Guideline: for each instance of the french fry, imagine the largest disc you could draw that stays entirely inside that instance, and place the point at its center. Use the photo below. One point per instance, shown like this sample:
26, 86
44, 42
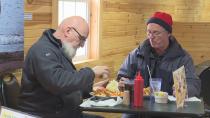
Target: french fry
147, 91
111, 90
107, 93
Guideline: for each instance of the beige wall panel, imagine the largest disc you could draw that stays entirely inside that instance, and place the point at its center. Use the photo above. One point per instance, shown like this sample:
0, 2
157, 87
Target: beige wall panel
111, 28
30, 41
26, 48
37, 9
42, 16
194, 37
38, 2
124, 50
41, 19
121, 44
33, 33
36, 25
114, 16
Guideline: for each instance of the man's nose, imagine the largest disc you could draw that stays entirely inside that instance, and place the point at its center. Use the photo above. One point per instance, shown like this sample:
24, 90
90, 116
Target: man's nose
151, 36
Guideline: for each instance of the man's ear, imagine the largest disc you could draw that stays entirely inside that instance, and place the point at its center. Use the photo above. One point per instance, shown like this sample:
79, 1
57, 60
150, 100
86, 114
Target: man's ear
66, 31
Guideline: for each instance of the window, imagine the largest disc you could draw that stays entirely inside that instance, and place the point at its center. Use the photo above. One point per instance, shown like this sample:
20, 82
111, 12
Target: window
68, 8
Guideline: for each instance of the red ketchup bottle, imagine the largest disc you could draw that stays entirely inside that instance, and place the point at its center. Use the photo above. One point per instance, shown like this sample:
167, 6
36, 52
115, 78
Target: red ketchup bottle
138, 90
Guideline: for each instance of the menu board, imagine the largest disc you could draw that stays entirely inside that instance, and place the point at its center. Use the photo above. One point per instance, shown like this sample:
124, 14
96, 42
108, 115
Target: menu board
180, 86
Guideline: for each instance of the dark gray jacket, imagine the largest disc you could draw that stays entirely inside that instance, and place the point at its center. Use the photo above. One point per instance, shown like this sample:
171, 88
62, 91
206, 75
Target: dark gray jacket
161, 66
51, 87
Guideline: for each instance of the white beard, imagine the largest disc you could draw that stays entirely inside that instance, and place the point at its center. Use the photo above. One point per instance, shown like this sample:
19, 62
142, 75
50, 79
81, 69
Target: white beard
69, 50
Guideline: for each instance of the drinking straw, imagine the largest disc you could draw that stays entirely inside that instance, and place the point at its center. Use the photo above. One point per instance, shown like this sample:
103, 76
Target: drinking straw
149, 72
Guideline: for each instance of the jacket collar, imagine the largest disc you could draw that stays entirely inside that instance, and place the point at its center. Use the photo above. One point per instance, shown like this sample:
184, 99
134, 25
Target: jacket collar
57, 42
54, 40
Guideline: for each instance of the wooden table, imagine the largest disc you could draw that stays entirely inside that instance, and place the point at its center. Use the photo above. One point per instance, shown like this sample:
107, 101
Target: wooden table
150, 108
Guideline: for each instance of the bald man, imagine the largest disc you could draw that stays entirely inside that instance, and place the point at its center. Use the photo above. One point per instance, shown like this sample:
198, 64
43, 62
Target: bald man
51, 87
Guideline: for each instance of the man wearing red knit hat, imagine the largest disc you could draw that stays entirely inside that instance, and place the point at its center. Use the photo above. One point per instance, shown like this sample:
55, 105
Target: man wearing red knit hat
162, 54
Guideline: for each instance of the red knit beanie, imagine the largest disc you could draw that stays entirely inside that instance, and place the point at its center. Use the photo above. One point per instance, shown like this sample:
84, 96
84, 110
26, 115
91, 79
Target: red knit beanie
163, 19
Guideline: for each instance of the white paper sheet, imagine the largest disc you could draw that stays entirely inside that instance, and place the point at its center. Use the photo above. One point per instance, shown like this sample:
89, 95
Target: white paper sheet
109, 102
191, 99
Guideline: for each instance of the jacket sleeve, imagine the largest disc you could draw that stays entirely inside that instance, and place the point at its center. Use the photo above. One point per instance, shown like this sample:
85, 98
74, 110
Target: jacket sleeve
129, 66
193, 82
50, 72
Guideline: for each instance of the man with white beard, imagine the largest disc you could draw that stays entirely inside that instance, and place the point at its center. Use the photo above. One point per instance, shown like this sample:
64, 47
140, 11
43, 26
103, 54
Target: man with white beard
51, 87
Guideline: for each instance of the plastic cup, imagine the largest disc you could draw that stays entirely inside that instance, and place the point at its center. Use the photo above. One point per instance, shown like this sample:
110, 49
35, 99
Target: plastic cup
155, 84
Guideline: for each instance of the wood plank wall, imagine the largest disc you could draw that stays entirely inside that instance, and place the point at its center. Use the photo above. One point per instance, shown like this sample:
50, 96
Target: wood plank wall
123, 26
195, 38
41, 19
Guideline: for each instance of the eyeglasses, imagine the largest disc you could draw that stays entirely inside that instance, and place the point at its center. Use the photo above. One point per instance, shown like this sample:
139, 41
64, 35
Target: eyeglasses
81, 38
154, 33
